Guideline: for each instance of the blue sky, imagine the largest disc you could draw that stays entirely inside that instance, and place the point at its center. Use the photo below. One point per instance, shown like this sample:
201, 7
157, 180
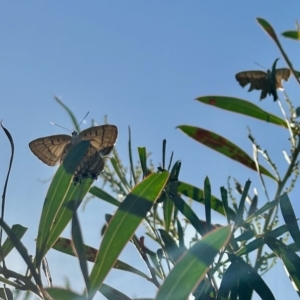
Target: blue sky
141, 63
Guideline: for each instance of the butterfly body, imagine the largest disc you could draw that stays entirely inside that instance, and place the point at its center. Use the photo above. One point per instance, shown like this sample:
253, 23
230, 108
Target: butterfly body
90, 167
268, 82
53, 149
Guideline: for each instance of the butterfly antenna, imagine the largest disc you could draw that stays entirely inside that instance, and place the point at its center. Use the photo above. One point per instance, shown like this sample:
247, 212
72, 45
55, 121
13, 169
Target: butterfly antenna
83, 118
260, 65
60, 126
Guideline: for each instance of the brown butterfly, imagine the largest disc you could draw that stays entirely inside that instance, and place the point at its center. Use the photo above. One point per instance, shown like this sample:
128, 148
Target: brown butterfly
260, 80
90, 167
53, 149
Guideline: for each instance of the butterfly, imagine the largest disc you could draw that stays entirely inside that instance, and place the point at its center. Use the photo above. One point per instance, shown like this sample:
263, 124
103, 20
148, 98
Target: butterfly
264, 81
90, 167
53, 149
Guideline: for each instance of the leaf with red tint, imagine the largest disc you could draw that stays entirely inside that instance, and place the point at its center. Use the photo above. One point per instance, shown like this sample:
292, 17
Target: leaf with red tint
267, 27
242, 107
210, 101
222, 145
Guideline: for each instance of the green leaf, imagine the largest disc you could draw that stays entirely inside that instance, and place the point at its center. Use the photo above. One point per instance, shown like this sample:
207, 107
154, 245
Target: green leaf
97, 192
61, 293
56, 214
207, 203
253, 206
230, 281
64, 245
292, 34
122, 226
6, 294
260, 211
173, 251
11, 283
270, 31
193, 266
242, 107
197, 194
259, 242
223, 146
130, 158
143, 160
112, 294
79, 248
224, 197
19, 231
290, 217
240, 212
249, 275
120, 174
22, 251
180, 234
188, 213
290, 259
168, 207
174, 174
268, 28
70, 113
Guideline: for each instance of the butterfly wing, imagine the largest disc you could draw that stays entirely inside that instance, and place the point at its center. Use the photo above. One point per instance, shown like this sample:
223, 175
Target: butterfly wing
280, 75
255, 78
102, 138
50, 149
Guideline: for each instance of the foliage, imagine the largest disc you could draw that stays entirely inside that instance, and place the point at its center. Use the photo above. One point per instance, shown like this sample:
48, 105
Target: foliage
158, 198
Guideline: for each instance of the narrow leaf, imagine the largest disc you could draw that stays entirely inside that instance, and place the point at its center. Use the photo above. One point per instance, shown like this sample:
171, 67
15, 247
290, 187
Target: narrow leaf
292, 34
65, 246
22, 251
168, 207
290, 217
174, 174
224, 197
120, 173
180, 234
79, 248
260, 211
258, 242
197, 194
112, 294
172, 249
143, 160
253, 279
55, 214
193, 266
97, 192
122, 226
242, 107
271, 32
240, 212
130, 157
207, 201
188, 213
6, 294
7, 246
69, 112
61, 293
223, 146
290, 259
230, 281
